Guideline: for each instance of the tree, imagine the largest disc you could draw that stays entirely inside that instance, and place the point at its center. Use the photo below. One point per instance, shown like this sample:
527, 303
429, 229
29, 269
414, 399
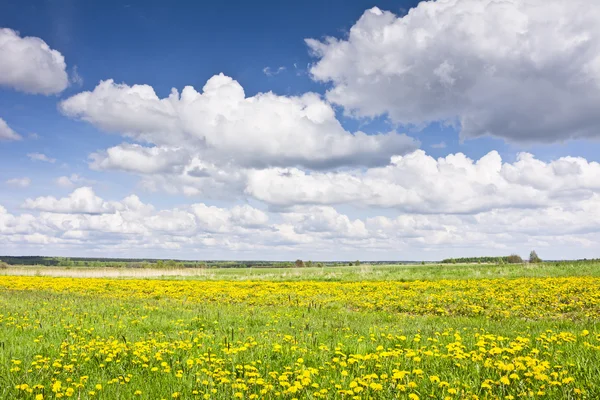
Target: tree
533, 257
299, 263
514, 259
357, 263
309, 264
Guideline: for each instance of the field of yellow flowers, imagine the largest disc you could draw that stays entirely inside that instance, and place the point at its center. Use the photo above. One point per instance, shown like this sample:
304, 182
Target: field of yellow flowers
162, 339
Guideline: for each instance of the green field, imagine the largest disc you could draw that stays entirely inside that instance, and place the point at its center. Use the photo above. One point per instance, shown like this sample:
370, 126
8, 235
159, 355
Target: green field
329, 273
364, 332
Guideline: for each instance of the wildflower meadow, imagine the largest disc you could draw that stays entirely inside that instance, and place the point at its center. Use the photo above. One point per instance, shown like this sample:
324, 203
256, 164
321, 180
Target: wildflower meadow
95, 338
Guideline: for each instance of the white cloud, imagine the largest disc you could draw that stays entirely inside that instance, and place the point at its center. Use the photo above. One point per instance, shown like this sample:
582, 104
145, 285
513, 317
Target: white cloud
175, 222
414, 183
71, 181
82, 200
199, 178
85, 223
223, 126
85, 220
75, 78
140, 159
84, 205
19, 182
326, 220
215, 219
521, 70
247, 216
41, 157
29, 65
6, 133
440, 145
418, 183
65, 181
270, 72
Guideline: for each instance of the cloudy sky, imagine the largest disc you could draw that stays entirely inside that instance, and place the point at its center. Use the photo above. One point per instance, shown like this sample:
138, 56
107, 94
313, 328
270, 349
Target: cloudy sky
387, 130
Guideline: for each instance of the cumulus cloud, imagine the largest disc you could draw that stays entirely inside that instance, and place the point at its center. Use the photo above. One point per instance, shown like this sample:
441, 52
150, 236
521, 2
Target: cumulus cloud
198, 177
414, 183
19, 182
85, 219
69, 181
29, 65
140, 159
215, 219
224, 126
418, 183
41, 157
6, 133
82, 200
521, 70
247, 216
131, 227
326, 220
207, 218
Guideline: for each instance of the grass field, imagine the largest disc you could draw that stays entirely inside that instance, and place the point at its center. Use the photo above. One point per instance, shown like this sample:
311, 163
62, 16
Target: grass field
347, 273
409, 332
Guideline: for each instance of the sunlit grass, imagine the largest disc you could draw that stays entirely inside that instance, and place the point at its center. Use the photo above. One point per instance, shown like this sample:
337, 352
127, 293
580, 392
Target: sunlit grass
368, 339
345, 273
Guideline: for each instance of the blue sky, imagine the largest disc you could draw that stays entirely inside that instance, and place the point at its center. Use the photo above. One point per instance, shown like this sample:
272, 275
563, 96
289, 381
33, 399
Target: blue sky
400, 68
151, 42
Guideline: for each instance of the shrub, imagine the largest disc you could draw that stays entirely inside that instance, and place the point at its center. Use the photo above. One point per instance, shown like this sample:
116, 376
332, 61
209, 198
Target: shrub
3, 265
514, 259
533, 257
299, 263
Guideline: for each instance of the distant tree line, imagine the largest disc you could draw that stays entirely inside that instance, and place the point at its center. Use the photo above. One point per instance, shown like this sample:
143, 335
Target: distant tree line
170, 264
135, 262
468, 260
512, 259
158, 263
